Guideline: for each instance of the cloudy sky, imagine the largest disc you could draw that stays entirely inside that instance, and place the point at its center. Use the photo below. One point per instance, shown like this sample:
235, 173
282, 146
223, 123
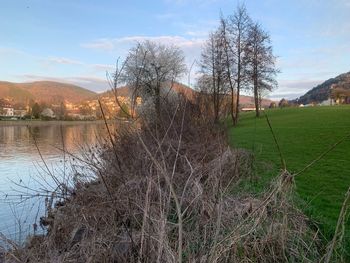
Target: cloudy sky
77, 41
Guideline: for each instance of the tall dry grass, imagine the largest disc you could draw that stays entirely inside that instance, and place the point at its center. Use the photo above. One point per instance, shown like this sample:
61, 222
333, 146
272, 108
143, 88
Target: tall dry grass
162, 192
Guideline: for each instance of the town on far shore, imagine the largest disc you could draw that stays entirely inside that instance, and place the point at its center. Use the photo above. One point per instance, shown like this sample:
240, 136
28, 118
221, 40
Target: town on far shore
119, 106
65, 110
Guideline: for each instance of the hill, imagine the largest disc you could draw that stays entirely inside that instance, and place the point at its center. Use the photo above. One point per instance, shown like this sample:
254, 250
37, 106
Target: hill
303, 135
56, 92
43, 91
245, 101
125, 91
121, 91
322, 91
248, 101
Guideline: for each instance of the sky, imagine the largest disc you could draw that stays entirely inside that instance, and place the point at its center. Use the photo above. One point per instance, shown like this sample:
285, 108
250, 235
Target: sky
78, 41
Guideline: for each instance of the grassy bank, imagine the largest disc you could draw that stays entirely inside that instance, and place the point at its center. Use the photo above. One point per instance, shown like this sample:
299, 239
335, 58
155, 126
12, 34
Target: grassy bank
303, 134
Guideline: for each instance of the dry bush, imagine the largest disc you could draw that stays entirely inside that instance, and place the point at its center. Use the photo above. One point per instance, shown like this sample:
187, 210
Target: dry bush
162, 193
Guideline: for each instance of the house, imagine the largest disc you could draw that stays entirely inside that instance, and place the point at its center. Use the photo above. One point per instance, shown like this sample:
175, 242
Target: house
340, 93
6, 108
251, 109
20, 112
8, 111
327, 102
48, 113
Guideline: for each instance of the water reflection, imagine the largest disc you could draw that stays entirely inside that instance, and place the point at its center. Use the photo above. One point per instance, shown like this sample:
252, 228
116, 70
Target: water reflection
21, 165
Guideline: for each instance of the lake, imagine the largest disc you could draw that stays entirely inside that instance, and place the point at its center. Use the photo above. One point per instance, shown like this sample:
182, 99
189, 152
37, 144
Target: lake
24, 174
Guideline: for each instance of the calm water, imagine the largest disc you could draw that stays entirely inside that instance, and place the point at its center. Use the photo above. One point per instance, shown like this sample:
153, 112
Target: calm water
23, 173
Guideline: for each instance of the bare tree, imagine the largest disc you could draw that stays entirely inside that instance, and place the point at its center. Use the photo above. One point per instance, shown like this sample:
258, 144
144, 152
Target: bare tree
213, 80
261, 63
149, 66
237, 56
237, 28
230, 66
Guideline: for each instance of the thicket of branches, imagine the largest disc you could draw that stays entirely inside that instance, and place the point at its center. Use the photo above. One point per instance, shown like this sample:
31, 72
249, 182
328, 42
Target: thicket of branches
149, 71
237, 56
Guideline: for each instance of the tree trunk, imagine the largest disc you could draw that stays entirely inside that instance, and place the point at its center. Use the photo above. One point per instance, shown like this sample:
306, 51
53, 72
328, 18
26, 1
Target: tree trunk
214, 87
238, 79
157, 102
256, 96
217, 102
237, 103
232, 107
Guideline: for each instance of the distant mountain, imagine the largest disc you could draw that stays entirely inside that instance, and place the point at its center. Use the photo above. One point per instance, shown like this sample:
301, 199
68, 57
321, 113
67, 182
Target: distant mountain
322, 91
121, 91
124, 91
248, 101
43, 91
56, 92
245, 101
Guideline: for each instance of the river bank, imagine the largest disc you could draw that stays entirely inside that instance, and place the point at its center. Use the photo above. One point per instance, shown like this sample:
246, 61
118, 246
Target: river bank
46, 123
161, 191
20, 161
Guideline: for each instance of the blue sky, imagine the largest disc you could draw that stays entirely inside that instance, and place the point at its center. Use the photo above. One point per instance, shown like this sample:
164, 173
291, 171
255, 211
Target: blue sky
77, 41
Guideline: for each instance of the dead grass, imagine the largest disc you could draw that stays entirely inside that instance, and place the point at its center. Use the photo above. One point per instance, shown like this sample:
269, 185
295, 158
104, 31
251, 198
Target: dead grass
161, 193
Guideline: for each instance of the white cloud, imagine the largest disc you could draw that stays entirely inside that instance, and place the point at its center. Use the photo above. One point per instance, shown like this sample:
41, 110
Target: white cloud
291, 89
103, 67
109, 44
4, 50
190, 46
198, 33
102, 44
302, 61
62, 60
16, 55
47, 61
52, 62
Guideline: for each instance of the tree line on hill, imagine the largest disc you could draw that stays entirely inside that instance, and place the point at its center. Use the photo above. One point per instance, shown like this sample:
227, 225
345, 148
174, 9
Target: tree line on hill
323, 91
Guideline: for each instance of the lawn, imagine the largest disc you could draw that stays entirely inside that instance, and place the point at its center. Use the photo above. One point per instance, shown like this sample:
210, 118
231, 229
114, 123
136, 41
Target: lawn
303, 135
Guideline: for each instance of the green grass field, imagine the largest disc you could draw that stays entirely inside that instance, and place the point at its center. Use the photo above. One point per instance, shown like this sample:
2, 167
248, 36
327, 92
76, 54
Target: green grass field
303, 135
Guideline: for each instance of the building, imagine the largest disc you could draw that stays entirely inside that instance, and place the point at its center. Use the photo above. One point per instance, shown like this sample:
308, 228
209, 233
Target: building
340, 93
48, 113
327, 102
6, 108
8, 111
251, 109
20, 113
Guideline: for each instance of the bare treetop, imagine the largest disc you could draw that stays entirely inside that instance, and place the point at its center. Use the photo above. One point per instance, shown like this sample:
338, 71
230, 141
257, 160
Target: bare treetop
149, 66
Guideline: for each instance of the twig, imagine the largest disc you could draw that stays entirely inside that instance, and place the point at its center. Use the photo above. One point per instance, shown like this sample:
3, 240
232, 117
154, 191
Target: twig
283, 162
323, 154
